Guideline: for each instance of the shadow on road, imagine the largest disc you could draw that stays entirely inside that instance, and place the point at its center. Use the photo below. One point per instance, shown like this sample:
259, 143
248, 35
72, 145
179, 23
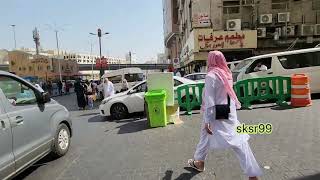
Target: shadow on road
98, 118
134, 125
89, 114
34, 167
183, 176
311, 177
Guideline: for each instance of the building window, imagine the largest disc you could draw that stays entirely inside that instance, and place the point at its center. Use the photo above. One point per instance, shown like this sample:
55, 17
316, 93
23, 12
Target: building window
316, 4
48, 68
24, 69
19, 68
231, 7
280, 4
30, 68
62, 68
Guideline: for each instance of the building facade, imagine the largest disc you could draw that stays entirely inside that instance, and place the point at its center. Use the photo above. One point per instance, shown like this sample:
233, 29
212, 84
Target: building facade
162, 58
171, 29
243, 28
42, 66
4, 56
89, 59
131, 58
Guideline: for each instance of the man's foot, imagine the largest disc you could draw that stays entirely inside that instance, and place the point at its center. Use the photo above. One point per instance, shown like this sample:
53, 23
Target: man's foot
253, 178
197, 165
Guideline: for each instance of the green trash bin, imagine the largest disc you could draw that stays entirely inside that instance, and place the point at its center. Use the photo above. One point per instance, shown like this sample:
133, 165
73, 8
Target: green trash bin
156, 101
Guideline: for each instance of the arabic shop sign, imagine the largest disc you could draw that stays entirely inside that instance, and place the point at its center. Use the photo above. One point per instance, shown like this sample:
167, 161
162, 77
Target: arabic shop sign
207, 39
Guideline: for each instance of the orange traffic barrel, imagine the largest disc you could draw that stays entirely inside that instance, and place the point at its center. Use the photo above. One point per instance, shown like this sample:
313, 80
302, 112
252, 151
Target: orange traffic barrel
300, 90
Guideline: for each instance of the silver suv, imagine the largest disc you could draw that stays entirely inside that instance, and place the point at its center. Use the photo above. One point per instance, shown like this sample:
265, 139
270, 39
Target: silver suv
31, 125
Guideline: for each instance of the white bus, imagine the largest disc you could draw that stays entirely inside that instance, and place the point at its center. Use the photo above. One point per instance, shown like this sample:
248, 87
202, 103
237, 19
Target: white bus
132, 75
305, 61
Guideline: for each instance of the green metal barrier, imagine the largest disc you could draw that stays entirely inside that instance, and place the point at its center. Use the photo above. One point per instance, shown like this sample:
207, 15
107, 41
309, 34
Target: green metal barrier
262, 89
189, 96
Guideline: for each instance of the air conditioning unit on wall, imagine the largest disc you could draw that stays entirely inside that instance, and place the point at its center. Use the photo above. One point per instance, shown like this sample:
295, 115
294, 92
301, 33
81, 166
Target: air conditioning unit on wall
289, 29
234, 24
317, 29
306, 30
261, 32
283, 17
266, 19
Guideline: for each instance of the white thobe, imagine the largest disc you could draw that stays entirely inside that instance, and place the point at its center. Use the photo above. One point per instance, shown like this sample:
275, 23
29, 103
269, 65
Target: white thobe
224, 131
108, 89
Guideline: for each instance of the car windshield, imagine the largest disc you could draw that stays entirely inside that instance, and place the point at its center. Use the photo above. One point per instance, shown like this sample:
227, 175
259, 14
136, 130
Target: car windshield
242, 64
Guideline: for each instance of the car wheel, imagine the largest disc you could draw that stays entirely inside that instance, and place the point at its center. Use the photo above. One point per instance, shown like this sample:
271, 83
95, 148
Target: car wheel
119, 111
62, 141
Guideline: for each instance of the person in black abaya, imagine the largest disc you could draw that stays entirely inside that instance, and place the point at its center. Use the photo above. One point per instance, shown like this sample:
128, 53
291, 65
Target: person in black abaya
80, 92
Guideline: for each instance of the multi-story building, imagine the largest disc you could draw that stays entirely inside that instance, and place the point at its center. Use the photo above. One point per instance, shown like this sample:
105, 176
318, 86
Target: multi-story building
131, 58
42, 66
4, 56
243, 28
78, 57
89, 59
171, 29
162, 59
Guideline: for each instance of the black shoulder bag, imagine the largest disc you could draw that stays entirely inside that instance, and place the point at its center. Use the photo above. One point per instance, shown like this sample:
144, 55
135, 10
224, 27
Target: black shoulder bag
223, 110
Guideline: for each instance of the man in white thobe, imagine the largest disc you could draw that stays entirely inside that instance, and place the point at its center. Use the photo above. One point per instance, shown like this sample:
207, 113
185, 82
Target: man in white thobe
108, 89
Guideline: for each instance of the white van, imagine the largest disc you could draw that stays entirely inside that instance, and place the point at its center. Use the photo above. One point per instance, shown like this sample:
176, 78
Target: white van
132, 75
306, 61
233, 64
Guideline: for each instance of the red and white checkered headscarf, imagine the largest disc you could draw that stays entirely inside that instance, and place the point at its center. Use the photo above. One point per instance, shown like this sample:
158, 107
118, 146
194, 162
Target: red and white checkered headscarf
217, 66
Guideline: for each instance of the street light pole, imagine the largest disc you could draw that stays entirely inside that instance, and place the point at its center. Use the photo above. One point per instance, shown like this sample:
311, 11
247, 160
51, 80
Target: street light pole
57, 40
14, 35
99, 34
91, 60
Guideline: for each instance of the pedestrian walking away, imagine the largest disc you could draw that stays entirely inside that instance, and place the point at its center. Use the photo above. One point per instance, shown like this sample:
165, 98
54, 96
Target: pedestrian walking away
108, 89
217, 133
60, 87
80, 92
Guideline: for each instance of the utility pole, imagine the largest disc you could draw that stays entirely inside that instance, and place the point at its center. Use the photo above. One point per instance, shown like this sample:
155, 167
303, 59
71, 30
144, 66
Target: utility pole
14, 35
130, 57
58, 58
91, 60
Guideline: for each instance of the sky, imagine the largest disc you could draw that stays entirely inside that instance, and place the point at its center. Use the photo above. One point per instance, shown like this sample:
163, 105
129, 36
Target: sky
135, 26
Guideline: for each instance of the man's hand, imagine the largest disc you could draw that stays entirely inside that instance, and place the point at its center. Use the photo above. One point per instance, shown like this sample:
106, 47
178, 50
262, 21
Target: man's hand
208, 128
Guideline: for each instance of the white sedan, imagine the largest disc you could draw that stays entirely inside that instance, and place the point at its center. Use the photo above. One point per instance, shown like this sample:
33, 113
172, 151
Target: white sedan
199, 77
120, 105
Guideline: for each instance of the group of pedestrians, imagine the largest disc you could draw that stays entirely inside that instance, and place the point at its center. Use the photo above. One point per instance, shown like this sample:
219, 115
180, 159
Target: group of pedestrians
88, 92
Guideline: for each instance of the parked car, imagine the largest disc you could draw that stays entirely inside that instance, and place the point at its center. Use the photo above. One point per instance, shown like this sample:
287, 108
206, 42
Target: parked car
304, 61
120, 105
31, 125
199, 77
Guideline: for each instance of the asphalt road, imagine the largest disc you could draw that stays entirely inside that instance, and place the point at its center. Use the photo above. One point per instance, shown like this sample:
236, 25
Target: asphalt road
128, 149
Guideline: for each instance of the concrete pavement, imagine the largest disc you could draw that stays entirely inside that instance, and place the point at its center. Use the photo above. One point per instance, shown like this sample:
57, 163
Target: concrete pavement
128, 149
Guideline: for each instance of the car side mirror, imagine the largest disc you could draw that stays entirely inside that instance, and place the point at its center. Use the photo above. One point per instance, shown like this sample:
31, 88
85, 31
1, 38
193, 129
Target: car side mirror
45, 98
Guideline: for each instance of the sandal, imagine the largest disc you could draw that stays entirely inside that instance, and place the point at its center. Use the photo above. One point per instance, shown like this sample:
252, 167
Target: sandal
193, 165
